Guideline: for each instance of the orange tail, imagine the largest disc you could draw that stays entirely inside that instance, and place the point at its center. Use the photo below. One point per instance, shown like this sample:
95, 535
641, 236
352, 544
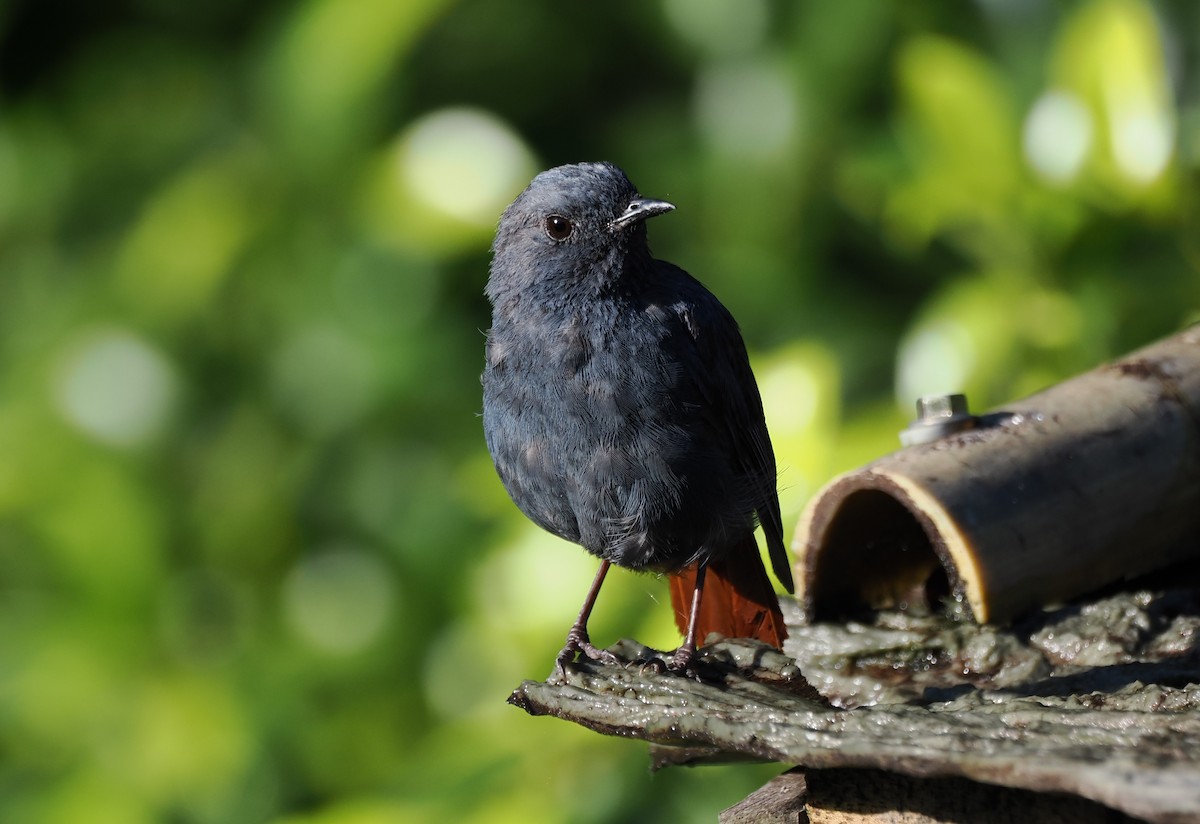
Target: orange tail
738, 602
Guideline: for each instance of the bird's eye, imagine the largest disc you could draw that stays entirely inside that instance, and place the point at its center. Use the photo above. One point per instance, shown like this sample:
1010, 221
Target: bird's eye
558, 227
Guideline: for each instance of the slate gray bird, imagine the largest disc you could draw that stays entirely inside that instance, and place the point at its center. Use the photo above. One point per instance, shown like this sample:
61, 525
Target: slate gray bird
621, 412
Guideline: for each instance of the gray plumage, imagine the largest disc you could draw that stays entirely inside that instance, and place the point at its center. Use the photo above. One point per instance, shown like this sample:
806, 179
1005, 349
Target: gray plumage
619, 405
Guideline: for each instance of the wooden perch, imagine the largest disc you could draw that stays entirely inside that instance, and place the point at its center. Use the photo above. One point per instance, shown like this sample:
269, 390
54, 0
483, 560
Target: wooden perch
856, 796
1101, 702
1092, 481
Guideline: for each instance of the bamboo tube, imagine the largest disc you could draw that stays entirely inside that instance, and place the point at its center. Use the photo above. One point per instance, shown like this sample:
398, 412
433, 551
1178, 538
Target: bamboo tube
1088, 482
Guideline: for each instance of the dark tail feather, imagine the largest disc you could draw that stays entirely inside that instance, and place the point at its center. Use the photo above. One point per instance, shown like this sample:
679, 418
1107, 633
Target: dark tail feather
738, 602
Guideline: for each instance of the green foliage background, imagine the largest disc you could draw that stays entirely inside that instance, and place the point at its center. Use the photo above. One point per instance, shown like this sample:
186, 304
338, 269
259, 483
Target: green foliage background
254, 563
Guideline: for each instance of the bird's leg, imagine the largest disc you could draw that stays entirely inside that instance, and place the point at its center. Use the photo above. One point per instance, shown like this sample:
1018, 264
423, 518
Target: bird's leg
577, 638
681, 661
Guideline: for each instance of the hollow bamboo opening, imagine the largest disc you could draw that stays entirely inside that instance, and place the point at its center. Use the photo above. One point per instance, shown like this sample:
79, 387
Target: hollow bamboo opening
875, 552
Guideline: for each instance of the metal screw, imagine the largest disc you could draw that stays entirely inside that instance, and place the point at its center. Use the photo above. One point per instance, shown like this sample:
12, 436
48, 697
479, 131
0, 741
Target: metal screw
937, 417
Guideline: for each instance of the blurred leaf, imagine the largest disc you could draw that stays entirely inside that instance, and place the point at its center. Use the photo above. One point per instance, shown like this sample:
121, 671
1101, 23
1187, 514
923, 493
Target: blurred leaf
331, 61
105, 531
961, 131
186, 743
188, 238
1110, 54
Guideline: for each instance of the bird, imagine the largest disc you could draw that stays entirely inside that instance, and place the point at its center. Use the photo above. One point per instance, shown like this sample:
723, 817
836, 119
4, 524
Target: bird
621, 412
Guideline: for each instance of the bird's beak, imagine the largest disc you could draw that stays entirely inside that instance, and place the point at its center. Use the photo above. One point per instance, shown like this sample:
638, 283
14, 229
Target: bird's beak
639, 209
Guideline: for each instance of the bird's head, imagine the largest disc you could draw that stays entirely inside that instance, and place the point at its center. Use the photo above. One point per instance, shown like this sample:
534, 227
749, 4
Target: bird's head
573, 226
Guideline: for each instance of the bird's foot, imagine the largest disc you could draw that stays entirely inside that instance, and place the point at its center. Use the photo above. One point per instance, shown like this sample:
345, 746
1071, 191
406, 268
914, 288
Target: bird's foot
681, 662
578, 643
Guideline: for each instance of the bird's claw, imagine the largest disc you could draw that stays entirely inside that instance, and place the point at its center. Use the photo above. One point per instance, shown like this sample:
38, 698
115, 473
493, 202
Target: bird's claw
578, 643
654, 664
679, 663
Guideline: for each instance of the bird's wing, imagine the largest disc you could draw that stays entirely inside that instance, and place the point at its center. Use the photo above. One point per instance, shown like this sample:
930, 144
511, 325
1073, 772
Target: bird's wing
726, 384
